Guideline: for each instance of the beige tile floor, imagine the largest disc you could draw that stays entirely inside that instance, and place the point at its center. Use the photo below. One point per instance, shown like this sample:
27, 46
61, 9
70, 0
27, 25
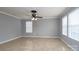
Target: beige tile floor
35, 44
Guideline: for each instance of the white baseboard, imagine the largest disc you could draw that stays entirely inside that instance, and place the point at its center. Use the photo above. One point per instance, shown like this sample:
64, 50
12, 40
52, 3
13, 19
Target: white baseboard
42, 36
67, 44
9, 40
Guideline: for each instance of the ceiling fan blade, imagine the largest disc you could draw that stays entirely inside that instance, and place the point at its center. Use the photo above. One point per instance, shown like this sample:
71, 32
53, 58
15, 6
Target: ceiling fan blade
39, 17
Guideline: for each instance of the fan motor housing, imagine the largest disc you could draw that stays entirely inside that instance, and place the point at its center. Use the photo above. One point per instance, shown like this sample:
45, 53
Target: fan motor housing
33, 11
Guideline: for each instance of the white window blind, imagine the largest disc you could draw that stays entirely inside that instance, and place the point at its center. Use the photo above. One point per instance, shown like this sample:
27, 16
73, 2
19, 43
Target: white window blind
28, 26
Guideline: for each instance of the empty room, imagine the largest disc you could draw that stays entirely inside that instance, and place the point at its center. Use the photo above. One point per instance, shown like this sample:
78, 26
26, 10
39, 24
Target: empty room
39, 29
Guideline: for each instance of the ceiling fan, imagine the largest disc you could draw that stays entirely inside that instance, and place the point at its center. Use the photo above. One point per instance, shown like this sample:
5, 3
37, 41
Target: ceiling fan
34, 15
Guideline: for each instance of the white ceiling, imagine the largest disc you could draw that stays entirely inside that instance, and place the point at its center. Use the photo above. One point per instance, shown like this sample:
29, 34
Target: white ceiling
24, 12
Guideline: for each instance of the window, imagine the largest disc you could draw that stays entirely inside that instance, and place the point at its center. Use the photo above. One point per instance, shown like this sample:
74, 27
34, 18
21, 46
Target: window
73, 27
64, 25
28, 26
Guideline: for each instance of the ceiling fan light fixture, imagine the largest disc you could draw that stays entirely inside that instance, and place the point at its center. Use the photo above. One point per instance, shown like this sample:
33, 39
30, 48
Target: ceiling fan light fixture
33, 18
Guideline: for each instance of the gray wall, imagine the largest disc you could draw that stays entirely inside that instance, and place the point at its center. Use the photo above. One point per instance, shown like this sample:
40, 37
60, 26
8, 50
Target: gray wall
9, 27
43, 27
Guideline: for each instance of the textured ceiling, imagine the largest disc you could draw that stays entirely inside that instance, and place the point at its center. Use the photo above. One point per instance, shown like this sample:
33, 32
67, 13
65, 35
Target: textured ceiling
24, 12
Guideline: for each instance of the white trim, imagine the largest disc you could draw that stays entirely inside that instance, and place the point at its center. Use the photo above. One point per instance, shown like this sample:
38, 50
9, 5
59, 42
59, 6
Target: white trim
9, 40
9, 14
67, 44
42, 36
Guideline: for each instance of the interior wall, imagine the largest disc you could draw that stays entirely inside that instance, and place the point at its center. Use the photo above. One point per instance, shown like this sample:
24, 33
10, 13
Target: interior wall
10, 27
43, 27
